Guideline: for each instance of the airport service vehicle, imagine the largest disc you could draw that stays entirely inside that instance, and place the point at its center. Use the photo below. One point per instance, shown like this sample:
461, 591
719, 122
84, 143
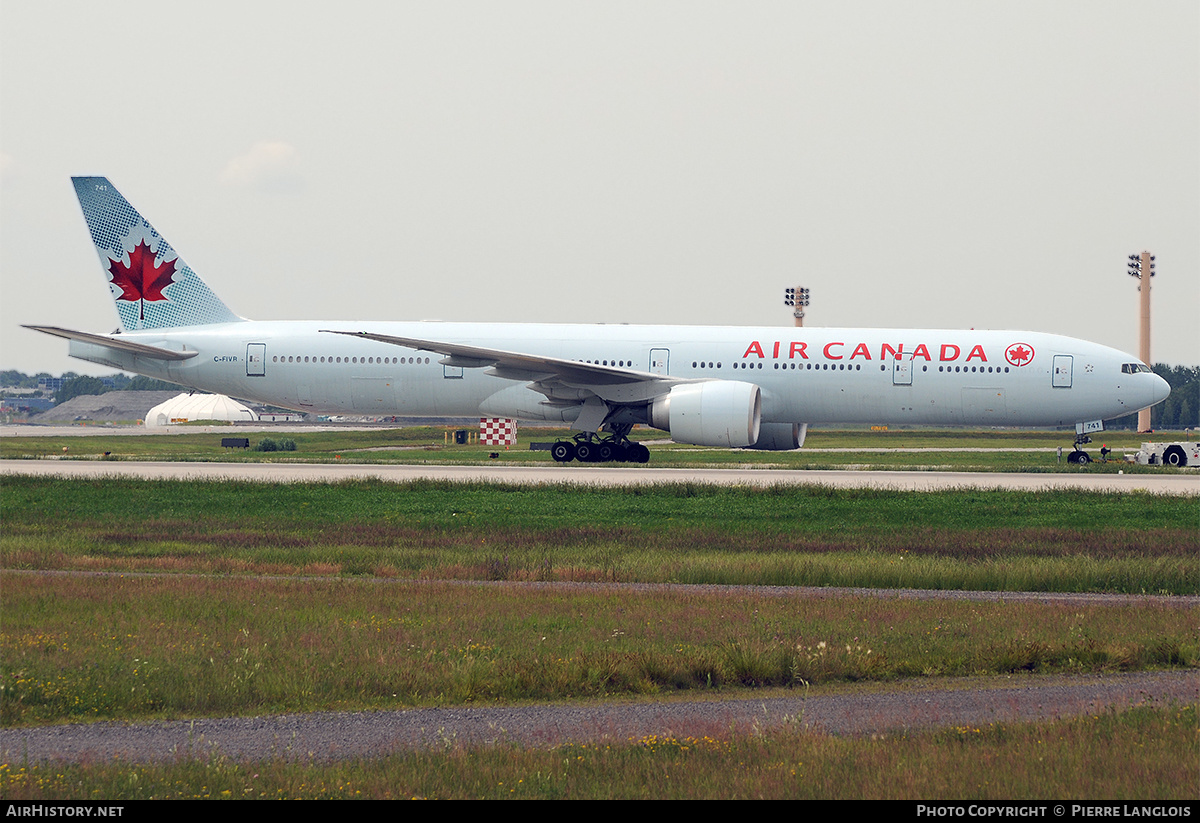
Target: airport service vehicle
726, 386
1179, 454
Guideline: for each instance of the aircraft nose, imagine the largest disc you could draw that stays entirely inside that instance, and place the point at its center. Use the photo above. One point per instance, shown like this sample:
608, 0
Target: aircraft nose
1161, 390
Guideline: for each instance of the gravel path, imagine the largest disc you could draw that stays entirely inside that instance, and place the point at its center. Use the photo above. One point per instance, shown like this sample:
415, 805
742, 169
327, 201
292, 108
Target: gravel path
1166, 601
329, 736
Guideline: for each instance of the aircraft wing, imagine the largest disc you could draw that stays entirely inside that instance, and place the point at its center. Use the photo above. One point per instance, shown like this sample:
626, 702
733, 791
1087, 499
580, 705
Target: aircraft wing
115, 342
554, 377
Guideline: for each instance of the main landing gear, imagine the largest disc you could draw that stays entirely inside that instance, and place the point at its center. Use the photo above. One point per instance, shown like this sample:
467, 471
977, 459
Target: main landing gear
589, 447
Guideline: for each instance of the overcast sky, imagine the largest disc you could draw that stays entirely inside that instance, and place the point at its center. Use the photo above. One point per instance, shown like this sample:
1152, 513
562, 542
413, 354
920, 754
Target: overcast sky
918, 164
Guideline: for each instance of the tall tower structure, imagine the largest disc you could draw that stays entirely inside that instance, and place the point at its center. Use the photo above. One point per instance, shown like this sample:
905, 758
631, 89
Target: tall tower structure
797, 298
1141, 266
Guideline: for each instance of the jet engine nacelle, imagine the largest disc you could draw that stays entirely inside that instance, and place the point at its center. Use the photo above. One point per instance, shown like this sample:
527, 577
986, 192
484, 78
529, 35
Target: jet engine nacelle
780, 437
714, 413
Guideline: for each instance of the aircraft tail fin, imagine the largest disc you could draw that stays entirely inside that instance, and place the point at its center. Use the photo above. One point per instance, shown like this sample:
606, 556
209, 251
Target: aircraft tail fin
151, 285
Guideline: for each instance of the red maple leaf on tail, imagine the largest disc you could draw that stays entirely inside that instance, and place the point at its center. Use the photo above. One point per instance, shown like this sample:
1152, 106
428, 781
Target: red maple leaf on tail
141, 279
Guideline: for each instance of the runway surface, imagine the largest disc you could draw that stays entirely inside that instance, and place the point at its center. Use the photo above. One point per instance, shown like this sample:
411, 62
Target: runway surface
1172, 483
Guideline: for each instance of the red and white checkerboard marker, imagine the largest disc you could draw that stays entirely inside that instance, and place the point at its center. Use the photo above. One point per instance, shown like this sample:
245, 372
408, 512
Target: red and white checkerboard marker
497, 431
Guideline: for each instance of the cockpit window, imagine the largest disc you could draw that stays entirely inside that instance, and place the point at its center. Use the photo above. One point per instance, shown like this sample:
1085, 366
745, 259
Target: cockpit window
1134, 368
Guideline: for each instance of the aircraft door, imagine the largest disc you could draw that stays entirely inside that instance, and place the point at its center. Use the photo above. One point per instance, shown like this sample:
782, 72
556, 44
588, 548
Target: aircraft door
1062, 371
256, 359
660, 361
901, 372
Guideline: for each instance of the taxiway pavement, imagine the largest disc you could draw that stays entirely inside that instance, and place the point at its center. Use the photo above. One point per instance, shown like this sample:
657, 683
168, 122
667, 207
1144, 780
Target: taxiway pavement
1173, 483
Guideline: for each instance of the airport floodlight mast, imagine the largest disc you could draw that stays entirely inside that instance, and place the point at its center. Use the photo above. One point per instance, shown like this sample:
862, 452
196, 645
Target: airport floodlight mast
1142, 267
797, 298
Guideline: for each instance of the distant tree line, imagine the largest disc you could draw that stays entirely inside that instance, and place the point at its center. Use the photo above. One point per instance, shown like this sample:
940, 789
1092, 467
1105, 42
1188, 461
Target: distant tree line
83, 384
11, 378
75, 385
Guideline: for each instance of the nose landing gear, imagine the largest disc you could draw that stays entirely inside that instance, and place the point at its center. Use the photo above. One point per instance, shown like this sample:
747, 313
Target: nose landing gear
1079, 456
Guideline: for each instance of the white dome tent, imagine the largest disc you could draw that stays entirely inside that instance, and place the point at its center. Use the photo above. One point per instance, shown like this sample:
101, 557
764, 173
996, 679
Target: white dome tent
186, 408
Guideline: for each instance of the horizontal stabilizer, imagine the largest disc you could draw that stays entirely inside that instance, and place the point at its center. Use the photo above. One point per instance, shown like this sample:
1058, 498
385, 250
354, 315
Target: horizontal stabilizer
140, 349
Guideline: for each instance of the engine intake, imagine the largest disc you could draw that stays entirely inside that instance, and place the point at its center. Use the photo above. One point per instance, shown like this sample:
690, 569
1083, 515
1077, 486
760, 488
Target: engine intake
715, 413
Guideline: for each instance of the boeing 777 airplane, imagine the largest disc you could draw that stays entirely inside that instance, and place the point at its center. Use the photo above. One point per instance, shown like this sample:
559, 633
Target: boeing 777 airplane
729, 386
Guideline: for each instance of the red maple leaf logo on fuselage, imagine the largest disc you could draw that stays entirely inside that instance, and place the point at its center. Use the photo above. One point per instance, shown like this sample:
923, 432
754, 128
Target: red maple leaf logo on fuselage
141, 279
1019, 354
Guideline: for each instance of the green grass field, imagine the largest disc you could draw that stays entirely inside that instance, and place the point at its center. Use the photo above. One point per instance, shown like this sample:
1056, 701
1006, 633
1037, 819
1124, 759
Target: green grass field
248, 598
1005, 451
240, 573
688, 533
82, 648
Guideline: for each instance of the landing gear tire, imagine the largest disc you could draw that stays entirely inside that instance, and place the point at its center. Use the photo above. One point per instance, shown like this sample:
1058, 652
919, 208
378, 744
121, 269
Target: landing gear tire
563, 451
1079, 457
614, 446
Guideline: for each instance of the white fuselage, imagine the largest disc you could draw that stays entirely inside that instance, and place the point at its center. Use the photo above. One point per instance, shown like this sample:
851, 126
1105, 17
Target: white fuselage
811, 375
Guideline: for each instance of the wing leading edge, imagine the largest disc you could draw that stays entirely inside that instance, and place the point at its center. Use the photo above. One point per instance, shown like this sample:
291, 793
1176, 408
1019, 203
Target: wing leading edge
558, 379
